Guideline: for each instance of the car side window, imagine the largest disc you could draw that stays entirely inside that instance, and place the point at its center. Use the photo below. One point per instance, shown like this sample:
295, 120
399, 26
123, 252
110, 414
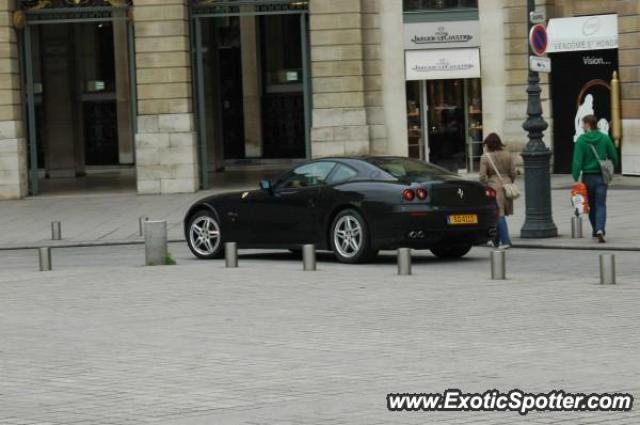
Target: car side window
342, 173
308, 175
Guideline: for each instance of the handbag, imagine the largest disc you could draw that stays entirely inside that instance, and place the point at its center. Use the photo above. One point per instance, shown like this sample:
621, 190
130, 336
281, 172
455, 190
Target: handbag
511, 190
606, 167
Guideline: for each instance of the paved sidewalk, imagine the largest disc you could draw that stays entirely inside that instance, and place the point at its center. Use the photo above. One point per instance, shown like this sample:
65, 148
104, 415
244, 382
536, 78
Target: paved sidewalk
113, 218
102, 340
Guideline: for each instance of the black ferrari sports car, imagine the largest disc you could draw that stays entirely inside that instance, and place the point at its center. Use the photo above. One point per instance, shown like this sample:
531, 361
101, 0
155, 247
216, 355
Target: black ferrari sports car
354, 207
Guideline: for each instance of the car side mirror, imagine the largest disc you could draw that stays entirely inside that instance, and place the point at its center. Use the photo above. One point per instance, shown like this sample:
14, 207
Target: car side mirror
266, 185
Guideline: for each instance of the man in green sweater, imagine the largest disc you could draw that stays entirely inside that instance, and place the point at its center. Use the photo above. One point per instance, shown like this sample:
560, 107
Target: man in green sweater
586, 163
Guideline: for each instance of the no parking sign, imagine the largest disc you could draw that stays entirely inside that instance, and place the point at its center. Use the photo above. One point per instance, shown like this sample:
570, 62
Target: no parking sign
538, 39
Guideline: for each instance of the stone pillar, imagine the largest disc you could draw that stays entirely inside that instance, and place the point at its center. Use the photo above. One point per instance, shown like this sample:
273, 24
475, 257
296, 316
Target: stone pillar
166, 143
251, 86
340, 124
493, 66
123, 85
13, 151
394, 91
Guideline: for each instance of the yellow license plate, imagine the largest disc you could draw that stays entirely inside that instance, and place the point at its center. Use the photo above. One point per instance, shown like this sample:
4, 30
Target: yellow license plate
461, 219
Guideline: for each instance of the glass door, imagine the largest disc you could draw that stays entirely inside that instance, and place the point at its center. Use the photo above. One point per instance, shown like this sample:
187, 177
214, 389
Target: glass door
444, 122
447, 127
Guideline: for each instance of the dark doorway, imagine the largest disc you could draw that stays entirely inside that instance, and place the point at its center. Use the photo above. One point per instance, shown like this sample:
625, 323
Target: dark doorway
580, 84
253, 88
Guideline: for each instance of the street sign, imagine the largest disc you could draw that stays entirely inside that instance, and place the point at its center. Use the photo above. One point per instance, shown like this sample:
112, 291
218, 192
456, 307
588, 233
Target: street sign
537, 17
540, 64
538, 39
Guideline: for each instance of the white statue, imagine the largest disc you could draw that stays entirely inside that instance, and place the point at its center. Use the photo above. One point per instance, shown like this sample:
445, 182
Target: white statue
585, 109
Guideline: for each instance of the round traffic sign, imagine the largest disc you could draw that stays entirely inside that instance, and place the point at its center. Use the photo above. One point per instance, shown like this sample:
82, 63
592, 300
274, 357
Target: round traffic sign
538, 39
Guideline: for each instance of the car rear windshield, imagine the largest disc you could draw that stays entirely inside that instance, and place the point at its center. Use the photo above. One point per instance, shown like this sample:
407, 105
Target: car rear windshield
411, 170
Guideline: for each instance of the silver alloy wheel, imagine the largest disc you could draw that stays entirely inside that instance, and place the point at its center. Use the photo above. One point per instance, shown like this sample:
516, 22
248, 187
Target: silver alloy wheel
348, 236
204, 235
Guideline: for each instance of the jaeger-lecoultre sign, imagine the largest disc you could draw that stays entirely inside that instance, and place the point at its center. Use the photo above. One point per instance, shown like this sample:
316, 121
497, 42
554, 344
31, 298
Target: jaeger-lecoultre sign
441, 35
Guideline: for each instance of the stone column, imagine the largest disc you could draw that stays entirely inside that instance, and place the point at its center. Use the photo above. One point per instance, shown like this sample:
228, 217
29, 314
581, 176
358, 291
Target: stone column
13, 151
123, 85
166, 143
340, 124
394, 91
494, 93
251, 86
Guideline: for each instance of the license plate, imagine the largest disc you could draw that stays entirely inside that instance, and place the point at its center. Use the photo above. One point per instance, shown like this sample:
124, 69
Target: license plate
462, 219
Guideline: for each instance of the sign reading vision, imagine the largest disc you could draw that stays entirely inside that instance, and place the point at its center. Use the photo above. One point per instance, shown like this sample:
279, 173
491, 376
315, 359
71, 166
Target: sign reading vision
441, 35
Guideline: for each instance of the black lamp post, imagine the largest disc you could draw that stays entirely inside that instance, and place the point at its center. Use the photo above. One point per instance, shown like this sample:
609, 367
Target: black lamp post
539, 220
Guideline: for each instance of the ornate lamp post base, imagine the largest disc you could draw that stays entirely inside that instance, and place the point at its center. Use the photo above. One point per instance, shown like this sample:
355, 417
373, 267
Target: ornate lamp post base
539, 220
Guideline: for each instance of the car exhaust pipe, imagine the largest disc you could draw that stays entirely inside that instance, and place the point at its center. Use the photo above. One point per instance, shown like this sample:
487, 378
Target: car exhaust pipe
416, 234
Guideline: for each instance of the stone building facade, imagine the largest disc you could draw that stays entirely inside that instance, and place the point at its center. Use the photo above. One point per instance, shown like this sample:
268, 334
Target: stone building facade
505, 65
357, 91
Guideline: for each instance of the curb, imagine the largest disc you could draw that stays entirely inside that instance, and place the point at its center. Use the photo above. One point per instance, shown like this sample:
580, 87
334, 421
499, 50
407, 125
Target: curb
569, 247
80, 244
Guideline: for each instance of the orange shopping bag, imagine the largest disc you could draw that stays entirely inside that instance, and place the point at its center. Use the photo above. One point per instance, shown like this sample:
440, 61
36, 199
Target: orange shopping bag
580, 199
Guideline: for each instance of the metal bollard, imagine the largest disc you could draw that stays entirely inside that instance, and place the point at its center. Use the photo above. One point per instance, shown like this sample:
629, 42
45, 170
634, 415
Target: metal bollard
498, 265
576, 227
141, 222
231, 255
155, 243
607, 269
44, 257
309, 258
404, 261
56, 230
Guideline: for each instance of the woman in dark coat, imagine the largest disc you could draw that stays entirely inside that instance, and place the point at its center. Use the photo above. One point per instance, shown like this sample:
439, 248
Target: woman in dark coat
496, 157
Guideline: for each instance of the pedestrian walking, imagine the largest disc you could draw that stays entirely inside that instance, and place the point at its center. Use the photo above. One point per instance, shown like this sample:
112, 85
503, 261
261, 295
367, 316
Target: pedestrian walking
594, 157
498, 171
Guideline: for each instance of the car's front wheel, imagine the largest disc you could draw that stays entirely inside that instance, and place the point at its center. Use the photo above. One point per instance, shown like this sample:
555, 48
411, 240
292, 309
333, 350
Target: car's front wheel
349, 238
451, 251
205, 236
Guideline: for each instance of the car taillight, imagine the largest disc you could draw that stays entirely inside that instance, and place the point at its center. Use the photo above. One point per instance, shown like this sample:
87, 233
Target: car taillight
421, 194
491, 193
408, 195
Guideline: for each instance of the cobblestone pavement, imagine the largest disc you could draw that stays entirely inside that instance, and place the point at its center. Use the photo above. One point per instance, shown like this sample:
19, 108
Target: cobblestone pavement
113, 218
102, 340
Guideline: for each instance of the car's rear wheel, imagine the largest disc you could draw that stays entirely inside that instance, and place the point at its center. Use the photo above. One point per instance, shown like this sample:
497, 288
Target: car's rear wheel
451, 251
349, 237
205, 236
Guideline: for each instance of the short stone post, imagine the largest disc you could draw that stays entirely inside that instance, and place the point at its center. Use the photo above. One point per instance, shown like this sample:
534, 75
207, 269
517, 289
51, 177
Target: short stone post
231, 255
498, 265
56, 230
576, 227
607, 269
44, 257
155, 243
141, 222
309, 258
404, 261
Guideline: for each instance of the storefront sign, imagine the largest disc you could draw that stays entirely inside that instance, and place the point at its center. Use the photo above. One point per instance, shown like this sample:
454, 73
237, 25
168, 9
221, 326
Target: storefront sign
441, 35
583, 33
442, 64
